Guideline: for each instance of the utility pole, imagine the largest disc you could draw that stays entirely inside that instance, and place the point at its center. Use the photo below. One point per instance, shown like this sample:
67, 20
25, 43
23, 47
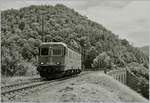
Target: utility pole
43, 29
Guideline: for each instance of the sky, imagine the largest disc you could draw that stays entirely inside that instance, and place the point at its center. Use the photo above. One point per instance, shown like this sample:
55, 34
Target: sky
127, 18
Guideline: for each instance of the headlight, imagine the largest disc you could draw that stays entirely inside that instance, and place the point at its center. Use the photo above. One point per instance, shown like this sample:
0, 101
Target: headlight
41, 62
57, 63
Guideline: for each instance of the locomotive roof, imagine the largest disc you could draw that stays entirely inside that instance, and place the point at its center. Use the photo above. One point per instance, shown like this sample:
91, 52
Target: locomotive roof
46, 43
61, 43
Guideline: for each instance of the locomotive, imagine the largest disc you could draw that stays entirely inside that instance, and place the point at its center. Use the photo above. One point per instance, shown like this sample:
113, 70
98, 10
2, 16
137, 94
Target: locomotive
56, 59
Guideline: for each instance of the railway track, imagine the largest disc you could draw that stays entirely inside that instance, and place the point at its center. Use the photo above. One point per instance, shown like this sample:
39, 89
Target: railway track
10, 86
23, 89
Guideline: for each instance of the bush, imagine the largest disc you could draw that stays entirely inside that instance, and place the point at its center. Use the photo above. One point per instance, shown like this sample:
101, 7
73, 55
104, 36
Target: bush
26, 69
139, 70
144, 87
102, 61
143, 76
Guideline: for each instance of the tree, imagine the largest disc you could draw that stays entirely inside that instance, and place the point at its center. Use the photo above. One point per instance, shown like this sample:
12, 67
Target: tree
21, 34
48, 38
124, 42
21, 25
102, 61
90, 55
57, 39
10, 61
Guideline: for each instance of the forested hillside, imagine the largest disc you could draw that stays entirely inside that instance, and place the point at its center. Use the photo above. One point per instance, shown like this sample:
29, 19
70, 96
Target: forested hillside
145, 50
22, 34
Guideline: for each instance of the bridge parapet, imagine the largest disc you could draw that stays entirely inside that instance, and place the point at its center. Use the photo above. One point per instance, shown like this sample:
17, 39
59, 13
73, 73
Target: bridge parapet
125, 76
120, 75
132, 81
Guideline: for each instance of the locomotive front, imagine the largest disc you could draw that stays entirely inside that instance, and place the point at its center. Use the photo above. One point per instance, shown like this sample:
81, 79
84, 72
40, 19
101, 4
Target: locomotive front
51, 59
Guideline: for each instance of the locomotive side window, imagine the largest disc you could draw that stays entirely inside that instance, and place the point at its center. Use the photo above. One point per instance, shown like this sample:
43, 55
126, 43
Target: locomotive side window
44, 51
56, 52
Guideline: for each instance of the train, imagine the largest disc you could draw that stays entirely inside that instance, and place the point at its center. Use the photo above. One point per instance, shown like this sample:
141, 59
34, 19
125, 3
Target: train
57, 59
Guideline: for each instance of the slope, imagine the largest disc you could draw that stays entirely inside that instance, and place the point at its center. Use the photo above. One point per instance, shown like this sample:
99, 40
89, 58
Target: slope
145, 49
93, 87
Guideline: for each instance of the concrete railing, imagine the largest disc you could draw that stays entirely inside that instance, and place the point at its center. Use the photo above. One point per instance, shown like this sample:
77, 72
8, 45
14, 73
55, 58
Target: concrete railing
125, 76
132, 81
120, 75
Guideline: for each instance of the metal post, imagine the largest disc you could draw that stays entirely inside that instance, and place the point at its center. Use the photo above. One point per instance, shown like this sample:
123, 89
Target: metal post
42, 29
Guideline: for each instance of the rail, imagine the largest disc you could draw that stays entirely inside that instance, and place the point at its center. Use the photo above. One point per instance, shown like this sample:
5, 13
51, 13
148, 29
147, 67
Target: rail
21, 90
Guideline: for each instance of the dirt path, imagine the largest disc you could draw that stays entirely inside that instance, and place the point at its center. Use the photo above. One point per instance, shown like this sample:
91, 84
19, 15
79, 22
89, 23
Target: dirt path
94, 87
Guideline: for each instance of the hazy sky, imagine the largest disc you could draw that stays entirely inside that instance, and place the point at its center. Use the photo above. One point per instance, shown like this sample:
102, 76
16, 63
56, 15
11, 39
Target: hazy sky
127, 18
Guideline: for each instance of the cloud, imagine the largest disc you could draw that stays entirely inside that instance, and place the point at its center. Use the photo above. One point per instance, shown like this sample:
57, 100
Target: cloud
139, 38
8, 4
92, 3
124, 19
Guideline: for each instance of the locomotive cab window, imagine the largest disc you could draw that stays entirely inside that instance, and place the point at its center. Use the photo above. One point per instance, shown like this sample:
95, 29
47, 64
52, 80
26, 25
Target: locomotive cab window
44, 51
56, 52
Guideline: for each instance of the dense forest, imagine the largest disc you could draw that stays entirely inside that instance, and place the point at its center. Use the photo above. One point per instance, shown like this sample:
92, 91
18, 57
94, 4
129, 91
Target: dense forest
21, 34
145, 50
